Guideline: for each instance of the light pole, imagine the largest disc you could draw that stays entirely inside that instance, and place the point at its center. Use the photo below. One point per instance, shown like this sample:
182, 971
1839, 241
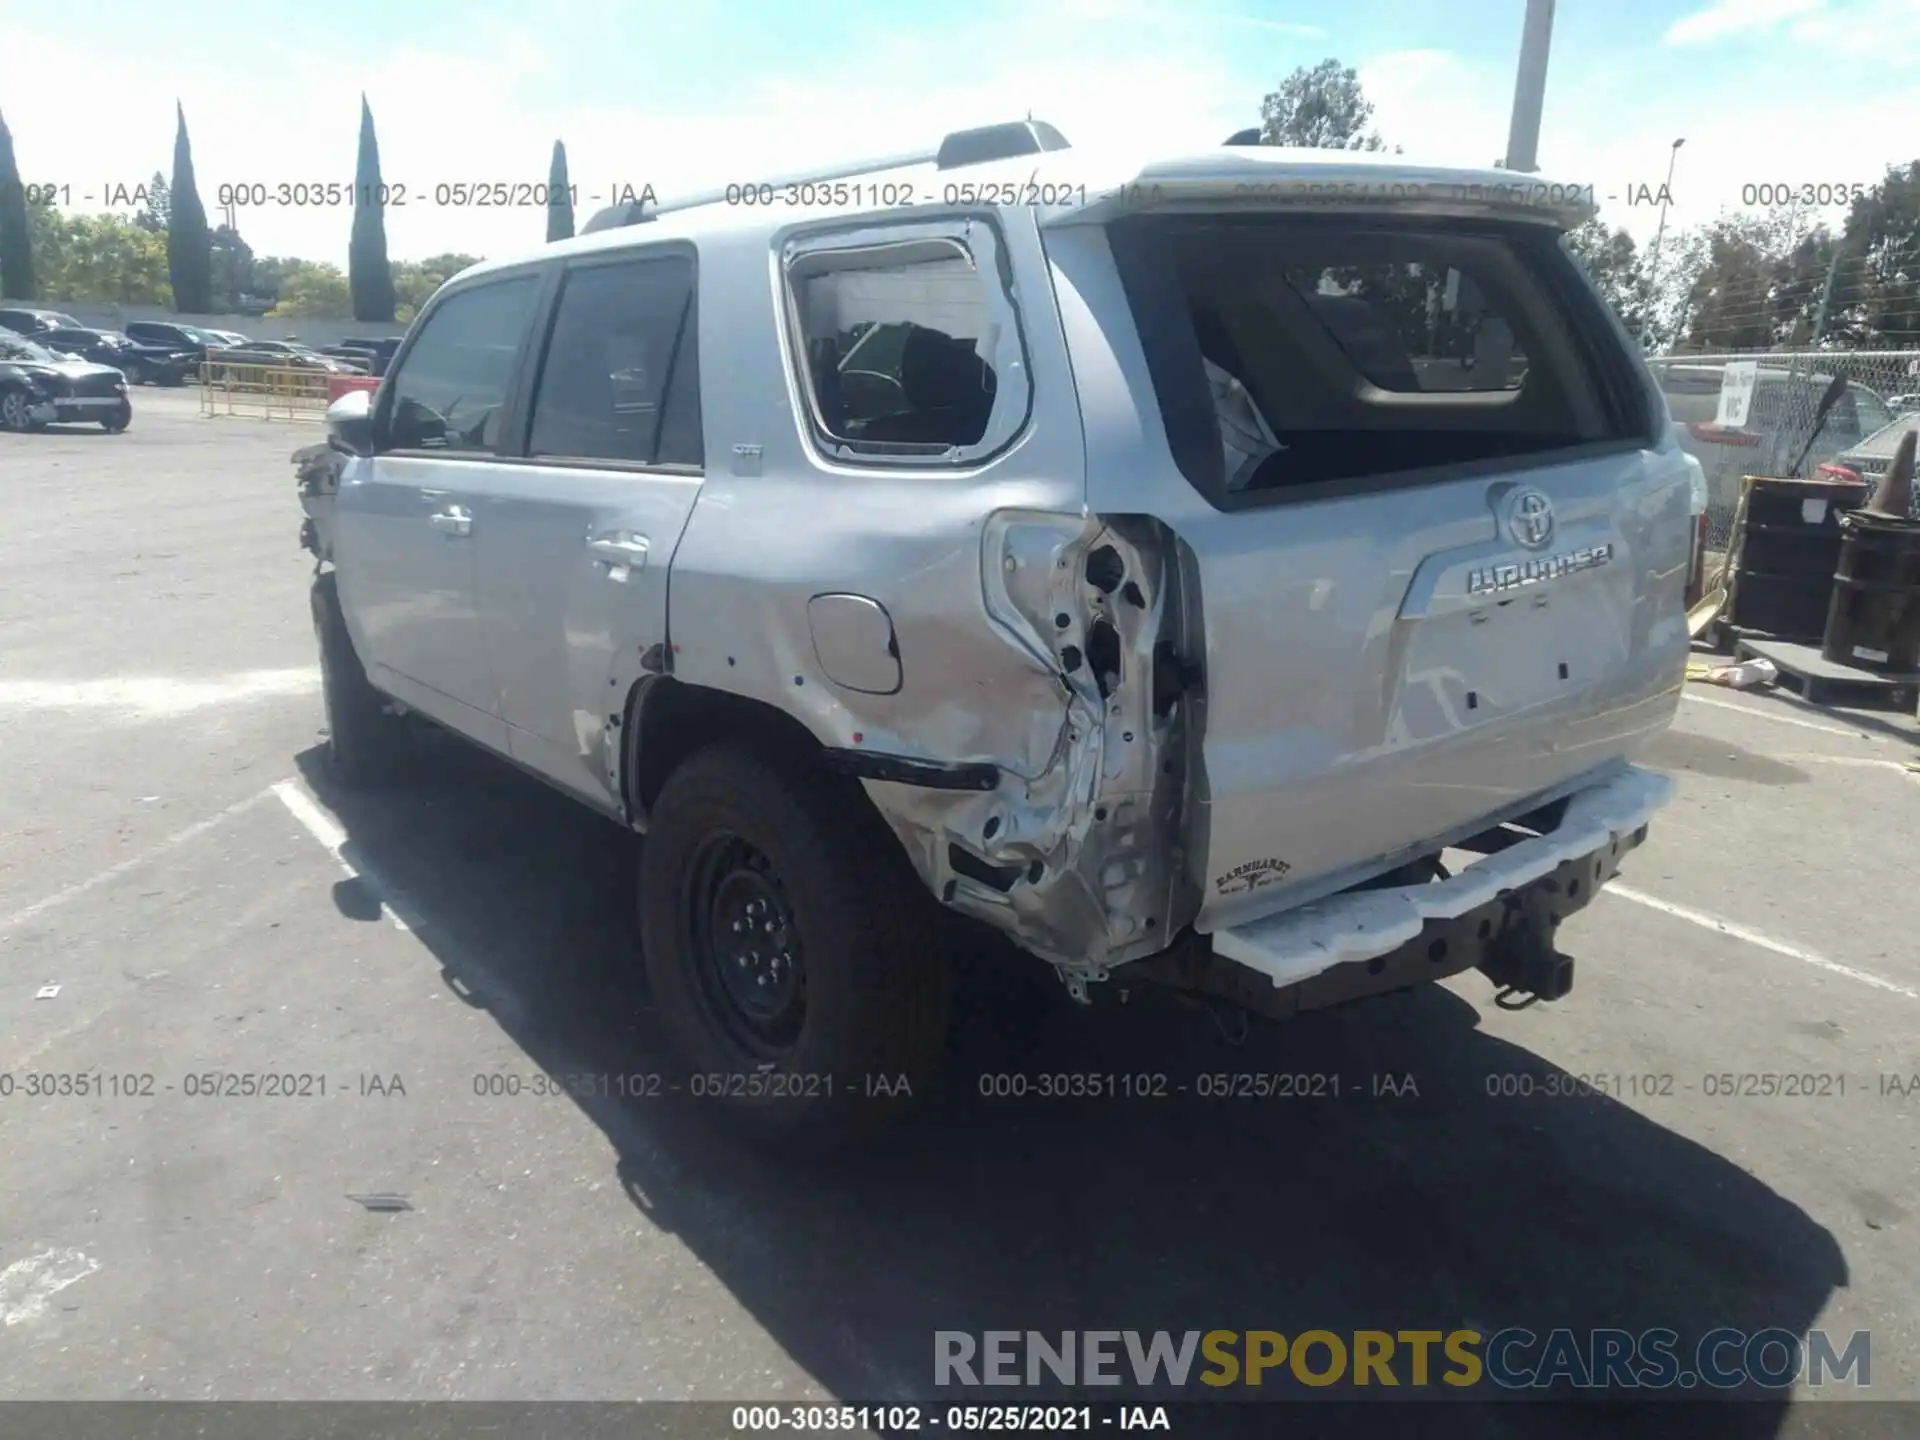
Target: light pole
1660, 233
1666, 191
1530, 87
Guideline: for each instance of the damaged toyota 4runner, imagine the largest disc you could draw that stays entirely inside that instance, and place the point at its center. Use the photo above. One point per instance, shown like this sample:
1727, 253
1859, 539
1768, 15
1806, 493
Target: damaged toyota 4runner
1250, 571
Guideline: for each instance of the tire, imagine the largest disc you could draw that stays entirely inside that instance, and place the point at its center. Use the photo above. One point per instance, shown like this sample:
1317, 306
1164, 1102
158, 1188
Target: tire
119, 420
860, 937
366, 745
13, 412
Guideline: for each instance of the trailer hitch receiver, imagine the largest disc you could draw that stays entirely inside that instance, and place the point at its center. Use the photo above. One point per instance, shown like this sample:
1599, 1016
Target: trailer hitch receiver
1522, 956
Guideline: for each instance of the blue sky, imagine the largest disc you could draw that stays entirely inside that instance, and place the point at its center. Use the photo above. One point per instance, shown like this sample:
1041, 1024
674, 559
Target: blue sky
694, 94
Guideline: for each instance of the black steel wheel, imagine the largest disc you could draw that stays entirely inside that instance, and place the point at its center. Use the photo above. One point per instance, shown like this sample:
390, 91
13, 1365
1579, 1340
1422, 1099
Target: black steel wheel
746, 944
797, 961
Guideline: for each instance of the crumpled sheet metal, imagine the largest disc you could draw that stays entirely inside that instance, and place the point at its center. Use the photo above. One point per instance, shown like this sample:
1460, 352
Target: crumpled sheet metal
1087, 844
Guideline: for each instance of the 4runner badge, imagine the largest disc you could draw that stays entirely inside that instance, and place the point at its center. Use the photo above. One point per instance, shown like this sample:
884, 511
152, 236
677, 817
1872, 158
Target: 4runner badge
1492, 579
1251, 876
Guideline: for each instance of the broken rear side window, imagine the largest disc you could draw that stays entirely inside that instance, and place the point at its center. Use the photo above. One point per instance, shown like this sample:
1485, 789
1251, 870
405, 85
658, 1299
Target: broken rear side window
904, 340
1292, 352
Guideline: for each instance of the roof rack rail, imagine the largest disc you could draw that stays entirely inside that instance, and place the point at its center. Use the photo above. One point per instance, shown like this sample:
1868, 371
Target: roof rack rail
961, 148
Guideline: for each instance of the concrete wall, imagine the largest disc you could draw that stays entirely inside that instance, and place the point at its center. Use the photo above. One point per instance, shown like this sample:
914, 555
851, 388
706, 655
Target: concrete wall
314, 332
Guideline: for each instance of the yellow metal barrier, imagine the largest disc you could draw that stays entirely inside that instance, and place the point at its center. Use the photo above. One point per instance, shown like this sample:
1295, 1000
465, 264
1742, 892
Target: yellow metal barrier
264, 392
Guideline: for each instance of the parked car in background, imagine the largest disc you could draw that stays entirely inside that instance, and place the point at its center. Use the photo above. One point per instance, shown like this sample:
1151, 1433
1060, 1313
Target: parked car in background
278, 371
232, 337
182, 339
299, 351
1779, 423
357, 361
1871, 458
42, 386
141, 364
379, 352
34, 323
1904, 404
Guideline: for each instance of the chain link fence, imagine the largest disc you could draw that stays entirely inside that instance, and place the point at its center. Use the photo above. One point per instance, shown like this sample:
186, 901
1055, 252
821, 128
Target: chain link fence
1778, 436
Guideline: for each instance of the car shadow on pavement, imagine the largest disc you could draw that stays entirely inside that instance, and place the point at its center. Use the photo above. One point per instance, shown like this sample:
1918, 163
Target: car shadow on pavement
1417, 1199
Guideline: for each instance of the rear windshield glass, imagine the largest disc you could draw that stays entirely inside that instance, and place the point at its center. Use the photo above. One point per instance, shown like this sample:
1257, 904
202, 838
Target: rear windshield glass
1289, 352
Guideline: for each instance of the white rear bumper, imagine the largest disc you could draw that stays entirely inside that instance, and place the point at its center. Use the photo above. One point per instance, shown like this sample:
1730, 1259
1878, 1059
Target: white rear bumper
1296, 945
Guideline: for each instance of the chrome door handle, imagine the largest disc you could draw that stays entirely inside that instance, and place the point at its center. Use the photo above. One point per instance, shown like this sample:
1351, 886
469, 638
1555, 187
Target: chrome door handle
454, 520
619, 549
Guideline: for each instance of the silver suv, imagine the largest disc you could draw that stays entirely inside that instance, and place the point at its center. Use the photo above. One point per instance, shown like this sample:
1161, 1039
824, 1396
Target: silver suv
1246, 571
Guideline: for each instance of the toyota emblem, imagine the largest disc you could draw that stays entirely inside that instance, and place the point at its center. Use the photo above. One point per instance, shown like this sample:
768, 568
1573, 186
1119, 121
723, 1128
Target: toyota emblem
1530, 519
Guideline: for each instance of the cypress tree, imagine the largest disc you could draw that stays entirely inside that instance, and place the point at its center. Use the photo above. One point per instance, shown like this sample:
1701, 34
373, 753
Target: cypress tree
16, 236
189, 247
559, 197
368, 271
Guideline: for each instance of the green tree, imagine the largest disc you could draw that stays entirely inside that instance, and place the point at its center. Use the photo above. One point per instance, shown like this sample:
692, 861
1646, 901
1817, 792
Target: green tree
189, 256
369, 273
16, 240
559, 197
232, 270
47, 229
1320, 109
1615, 265
268, 273
314, 292
1881, 239
450, 264
111, 259
1743, 281
158, 209
414, 281
103, 259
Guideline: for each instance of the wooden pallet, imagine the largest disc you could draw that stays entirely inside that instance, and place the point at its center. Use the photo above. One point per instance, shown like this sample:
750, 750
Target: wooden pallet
1819, 681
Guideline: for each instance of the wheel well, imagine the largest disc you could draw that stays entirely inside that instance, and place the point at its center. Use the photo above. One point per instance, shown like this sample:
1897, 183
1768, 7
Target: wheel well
667, 720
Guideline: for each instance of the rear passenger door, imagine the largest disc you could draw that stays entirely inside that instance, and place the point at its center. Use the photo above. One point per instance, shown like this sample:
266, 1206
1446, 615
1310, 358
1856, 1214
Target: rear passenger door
406, 522
581, 520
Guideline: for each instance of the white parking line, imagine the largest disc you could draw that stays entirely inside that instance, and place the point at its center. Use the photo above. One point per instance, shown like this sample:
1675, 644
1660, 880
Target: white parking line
156, 697
1754, 937
1713, 703
114, 872
329, 832
1869, 762
27, 1285
476, 982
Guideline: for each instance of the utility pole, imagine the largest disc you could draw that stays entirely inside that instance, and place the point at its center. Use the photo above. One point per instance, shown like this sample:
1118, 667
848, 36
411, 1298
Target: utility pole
1659, 234
1530, 87
1826, 297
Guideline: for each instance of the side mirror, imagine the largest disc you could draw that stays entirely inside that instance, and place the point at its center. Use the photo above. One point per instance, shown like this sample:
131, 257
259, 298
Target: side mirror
350, 423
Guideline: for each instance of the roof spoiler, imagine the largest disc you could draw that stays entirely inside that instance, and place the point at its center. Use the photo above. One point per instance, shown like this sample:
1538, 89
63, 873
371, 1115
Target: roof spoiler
955, 151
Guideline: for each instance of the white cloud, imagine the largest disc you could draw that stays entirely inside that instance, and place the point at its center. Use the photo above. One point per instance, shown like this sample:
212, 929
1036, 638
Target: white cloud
1884, 31
450, 118
1162, 81
1438, 105
1725, 18
1446, 107
1283, 27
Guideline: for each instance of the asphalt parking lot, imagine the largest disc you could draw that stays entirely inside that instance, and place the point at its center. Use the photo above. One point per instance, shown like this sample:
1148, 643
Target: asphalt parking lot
173, 860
